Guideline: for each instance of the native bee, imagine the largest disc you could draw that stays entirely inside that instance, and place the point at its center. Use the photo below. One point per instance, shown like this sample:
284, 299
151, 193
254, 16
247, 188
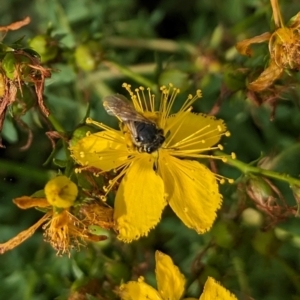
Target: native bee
144, 133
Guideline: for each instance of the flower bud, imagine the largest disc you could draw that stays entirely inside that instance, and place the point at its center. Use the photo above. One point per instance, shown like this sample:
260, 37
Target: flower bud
27, 99
8, 65
61, 192
88, 56
45, 46
80, 132
296, 192
2, 85
259, 190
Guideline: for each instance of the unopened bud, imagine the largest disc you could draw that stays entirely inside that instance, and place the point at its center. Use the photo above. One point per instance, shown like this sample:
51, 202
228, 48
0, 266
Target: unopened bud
259, 190
61, 192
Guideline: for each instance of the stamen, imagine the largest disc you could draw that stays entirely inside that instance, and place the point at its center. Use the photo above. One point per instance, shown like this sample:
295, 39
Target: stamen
113, 181
190, 100
190, 151
137, 101
222, 179
151, 98
195, 138
98, 124
163, 104
144, 98
103, 198
128, 161
170, 103
192, 154
128, 88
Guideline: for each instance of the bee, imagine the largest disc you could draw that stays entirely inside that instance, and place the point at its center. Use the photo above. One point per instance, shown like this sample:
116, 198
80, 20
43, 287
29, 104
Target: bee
145, 134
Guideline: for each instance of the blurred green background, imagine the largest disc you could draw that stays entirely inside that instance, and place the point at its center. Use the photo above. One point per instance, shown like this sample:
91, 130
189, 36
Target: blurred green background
100, 45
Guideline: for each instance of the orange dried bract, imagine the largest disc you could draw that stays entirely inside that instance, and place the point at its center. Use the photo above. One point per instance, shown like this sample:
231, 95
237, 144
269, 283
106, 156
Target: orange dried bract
26, 202
22, 236
266, 78
37, 77
243, 47
16, 25
65, 232
10, 92
95, 238
97, 214
27, 70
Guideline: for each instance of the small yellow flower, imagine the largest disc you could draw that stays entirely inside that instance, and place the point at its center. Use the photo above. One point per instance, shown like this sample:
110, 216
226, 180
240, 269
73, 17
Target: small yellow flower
169, 175
62, 229
170, 285
283, 48
61, 192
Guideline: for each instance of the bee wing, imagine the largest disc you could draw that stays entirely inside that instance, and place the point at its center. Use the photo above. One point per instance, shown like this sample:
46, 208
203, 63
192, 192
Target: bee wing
117, 105
132, 128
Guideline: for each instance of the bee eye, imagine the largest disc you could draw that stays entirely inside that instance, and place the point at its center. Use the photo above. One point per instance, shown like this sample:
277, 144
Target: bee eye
137, 139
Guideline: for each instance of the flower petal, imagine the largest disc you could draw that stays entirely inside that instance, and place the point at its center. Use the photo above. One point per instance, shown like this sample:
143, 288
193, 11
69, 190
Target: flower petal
243, 47
213, 290
133, 290
105, 150
190, 131
294, 21
266, 78
26, 202
24, 235
170, 282
192, 191
140, 199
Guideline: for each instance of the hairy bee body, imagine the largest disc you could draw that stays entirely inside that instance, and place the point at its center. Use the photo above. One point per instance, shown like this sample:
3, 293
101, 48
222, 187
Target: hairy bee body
145, 133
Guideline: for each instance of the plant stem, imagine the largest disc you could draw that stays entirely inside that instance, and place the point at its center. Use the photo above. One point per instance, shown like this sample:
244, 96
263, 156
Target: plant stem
129, 73
57, 126
162, 45
245, 168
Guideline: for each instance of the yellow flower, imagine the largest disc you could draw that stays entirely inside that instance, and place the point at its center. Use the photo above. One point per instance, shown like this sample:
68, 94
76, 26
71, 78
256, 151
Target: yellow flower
169, 175
61, 192
170, 285
62, 229
283, 47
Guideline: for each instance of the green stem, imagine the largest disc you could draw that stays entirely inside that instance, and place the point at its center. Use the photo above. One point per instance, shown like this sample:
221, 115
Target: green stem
40, 176
239, 267
57, 126
101, 75
129, 73
162, 45
245, 168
